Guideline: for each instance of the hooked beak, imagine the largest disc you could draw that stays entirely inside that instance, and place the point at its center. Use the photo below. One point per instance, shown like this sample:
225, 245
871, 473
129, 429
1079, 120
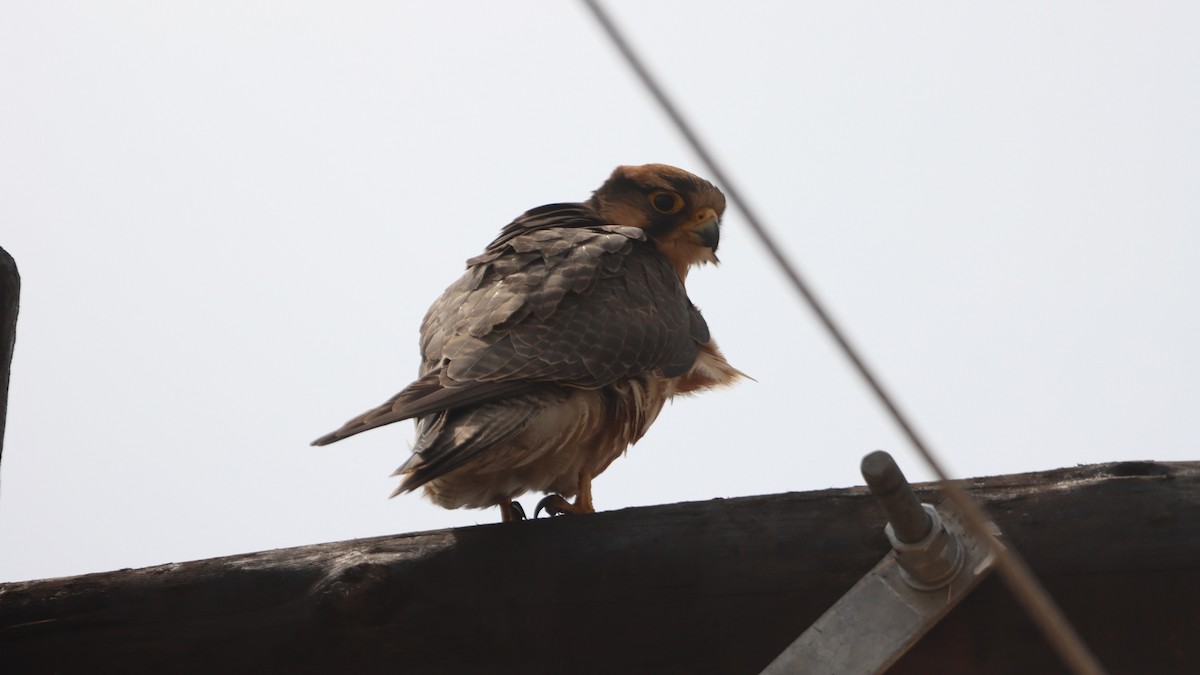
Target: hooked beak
705, 229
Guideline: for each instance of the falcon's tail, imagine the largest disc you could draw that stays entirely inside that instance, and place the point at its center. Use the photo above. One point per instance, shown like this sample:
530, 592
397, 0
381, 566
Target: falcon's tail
425, 396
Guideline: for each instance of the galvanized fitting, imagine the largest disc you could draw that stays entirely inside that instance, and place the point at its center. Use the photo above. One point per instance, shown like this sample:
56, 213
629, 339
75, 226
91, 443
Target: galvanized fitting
932, 562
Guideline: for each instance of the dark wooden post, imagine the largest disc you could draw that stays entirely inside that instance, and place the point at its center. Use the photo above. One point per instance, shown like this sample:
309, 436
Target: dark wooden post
10, 296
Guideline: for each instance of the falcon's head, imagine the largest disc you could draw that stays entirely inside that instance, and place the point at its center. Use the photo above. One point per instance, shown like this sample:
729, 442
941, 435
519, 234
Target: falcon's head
679, 211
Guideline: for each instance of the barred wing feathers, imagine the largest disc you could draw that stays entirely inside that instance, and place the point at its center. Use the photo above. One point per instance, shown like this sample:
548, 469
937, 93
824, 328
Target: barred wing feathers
559, 299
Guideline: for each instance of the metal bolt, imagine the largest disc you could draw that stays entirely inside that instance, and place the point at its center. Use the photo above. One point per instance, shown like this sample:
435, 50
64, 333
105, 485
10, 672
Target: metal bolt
929, 556
895, 495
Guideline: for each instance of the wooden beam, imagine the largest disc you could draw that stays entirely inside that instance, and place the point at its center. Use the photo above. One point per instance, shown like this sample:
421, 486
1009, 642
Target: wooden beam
709, 587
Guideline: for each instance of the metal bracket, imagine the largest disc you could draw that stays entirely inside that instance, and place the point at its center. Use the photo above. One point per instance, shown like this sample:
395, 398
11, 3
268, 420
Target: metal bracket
934, 563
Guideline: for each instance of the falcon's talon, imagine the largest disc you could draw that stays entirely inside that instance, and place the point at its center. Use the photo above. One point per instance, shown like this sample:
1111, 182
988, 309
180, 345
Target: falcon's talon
554, 505
513, 512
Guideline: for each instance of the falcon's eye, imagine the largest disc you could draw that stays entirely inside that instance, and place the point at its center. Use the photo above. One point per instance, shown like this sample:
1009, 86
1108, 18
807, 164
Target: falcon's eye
666, 202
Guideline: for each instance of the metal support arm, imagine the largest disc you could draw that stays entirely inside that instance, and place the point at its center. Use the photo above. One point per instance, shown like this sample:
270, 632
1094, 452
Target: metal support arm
934, 564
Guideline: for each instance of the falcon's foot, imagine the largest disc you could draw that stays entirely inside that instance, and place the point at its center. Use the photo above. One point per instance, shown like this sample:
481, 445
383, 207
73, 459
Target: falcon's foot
555, 505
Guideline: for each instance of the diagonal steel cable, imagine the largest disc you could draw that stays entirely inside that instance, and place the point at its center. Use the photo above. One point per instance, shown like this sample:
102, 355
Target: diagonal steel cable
1020, 579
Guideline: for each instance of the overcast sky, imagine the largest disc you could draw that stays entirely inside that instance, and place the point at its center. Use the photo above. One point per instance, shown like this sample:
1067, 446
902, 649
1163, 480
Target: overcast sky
230, 218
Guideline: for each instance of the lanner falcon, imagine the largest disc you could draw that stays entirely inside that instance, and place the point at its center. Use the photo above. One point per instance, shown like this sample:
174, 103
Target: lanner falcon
557, 348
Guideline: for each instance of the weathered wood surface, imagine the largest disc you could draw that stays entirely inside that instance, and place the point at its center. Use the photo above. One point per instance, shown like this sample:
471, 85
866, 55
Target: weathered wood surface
707, 587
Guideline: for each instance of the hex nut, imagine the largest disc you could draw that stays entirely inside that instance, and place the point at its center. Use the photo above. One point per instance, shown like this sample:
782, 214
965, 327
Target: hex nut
932, 562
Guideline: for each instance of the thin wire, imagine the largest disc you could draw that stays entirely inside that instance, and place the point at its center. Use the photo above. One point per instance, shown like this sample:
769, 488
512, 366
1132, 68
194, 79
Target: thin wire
1021, 581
